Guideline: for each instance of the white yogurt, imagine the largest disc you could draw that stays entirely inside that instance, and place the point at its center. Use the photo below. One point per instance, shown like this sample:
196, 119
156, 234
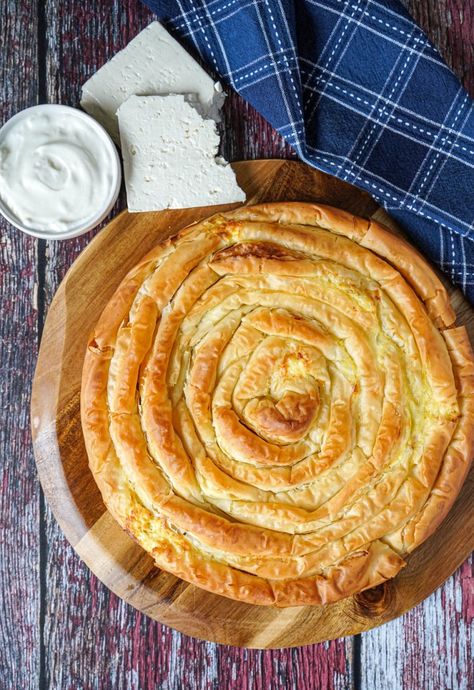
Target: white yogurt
59, 171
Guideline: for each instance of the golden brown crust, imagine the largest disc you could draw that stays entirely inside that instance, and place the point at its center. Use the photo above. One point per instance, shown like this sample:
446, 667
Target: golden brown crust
414, 269
273, 407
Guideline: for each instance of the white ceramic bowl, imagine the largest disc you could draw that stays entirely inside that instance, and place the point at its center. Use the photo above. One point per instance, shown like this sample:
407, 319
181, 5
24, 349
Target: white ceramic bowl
116, 174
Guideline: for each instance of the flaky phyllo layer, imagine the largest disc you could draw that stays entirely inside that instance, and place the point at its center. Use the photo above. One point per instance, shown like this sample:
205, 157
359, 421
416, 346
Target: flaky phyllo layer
276, 404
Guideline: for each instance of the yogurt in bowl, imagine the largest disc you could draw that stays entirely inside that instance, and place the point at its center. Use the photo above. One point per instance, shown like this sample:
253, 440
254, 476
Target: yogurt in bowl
59, 172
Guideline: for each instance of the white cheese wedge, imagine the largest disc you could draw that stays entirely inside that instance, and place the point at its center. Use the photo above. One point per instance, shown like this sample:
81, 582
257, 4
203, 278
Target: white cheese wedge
152, 63
169, 155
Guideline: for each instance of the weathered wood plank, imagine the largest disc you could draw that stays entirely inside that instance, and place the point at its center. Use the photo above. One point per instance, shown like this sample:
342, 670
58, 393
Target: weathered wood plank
19, 496
246, 135
432, 646
316, 667
450, 26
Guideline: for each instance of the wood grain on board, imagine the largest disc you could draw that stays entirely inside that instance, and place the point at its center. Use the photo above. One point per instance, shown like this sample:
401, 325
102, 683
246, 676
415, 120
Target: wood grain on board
87, 637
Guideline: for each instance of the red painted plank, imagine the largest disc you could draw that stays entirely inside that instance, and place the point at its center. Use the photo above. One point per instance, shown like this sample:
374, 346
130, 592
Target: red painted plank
314, 667
19, 490
431, 647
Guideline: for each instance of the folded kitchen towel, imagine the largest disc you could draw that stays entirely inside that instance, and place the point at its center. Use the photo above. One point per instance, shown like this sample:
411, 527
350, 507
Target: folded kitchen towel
359, 92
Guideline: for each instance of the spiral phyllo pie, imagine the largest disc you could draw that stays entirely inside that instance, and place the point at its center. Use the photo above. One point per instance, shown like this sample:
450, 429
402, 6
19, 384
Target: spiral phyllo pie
277, 405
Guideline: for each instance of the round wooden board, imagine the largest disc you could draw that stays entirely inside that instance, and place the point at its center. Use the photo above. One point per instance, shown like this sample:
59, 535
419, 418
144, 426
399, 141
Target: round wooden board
75, 499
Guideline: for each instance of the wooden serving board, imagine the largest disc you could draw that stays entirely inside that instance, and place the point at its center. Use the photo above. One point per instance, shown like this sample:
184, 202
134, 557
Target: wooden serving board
75, 499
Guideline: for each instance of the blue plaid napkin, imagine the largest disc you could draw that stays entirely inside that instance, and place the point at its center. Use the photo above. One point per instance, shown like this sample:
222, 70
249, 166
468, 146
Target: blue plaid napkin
359, 92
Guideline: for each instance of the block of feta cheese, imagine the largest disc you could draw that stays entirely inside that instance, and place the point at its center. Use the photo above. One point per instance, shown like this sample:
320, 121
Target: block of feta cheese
152, 63
169, 154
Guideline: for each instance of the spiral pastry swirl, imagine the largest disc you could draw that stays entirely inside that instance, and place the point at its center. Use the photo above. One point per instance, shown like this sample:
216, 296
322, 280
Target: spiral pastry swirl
277, 405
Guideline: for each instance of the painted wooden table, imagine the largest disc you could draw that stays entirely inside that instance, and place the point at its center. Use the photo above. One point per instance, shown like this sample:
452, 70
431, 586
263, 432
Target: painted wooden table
59, 627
